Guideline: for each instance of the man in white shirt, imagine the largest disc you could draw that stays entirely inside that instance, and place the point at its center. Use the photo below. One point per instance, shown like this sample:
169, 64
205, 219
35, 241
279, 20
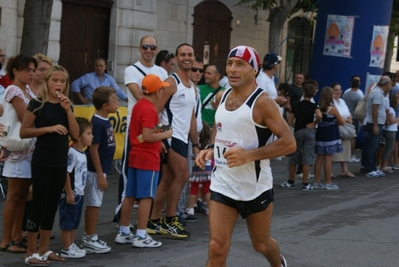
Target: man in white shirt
265, 79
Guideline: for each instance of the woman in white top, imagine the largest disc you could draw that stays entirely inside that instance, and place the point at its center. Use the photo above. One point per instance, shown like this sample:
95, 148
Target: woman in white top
343, 110
390, 132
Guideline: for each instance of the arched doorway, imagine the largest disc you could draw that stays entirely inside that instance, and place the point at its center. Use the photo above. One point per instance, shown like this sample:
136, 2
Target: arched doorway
212, 26
299, 47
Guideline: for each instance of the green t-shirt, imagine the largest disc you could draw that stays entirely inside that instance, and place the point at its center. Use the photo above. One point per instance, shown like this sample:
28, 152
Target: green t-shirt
208, 112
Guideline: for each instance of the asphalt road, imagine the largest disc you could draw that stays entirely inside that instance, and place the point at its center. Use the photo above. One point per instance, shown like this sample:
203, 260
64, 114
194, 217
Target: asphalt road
355, 226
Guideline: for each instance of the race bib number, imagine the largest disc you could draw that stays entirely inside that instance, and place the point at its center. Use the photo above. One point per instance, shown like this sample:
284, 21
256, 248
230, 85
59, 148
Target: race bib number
222, 146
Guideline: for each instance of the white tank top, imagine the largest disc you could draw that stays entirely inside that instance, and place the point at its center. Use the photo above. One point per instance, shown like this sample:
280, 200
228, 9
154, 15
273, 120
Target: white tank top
237, 128
179, 109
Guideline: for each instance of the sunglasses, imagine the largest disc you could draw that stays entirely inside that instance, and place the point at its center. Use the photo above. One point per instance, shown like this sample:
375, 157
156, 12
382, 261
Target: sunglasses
145, 47
197, 69
169, 55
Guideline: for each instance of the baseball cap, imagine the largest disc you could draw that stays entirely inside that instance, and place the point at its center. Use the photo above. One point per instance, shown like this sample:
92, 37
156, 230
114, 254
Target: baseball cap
151, 83
272, 58
246, 53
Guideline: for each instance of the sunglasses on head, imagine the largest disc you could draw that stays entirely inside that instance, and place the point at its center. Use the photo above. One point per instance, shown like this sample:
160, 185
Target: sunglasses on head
169, 55
145, 47
197, 69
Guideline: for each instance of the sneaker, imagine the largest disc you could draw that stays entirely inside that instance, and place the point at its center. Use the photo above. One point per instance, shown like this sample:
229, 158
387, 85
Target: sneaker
154, 228
380, 173
174, 228
331, 186
307, 187
354, 159
122, 238
188, 217
287, 185
395, 167
146, 242
76, 248
95, 245
372, 174
318, 185
72, 253
283, 261
200, 207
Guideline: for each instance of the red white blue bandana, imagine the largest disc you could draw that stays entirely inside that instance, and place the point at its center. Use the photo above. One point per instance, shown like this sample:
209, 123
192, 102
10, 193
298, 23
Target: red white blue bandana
246, 53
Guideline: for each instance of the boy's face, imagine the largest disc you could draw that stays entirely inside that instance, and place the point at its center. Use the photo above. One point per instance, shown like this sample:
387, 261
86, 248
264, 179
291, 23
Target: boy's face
87, 137
112, 104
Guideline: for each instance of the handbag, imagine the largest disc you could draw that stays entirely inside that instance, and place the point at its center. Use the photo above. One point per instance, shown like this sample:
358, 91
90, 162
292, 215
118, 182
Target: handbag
360, 110
347, 131
12, 125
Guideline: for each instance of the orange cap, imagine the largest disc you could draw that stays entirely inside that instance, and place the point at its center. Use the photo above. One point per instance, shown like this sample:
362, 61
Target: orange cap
152, 83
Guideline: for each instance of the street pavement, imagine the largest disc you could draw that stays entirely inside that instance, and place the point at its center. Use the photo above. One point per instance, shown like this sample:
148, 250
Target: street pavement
355, 226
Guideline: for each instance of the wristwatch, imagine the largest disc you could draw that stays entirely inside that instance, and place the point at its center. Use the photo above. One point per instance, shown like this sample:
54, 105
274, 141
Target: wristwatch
208, 146
195, 145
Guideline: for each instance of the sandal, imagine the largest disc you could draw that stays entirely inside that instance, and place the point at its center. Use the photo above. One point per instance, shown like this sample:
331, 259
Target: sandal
9, 248
348, 175
53, 257
36, 260
23, 242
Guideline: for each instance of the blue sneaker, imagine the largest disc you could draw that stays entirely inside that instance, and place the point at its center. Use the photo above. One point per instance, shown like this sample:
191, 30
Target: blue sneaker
187, 217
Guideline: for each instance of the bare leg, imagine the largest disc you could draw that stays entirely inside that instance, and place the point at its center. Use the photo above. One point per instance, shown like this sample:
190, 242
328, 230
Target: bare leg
259, 230
127, 210
327, 168
305, 173
317, 168
222, 219
143, 212
91, 217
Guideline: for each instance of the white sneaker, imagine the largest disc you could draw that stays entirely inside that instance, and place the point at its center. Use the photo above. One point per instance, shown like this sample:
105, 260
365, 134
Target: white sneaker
72, 253
76, 248
95, 245
146, 242
354, 159
122, 238
300, 176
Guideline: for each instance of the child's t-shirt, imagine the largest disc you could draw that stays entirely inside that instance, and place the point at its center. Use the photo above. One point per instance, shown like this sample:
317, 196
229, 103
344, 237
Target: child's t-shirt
145, 155
51, 149
77, 169
304, 114
103, 135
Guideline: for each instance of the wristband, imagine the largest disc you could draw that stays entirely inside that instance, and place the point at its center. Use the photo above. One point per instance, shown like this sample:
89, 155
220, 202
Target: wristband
208, 146
195, 145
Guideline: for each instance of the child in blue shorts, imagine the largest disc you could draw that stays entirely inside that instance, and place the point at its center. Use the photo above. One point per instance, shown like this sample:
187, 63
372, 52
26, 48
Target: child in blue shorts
144, 163
71, 202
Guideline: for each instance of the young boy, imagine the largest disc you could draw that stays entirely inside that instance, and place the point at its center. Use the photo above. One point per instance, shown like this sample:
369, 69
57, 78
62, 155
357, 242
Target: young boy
144, 162
71, 202
99, 161
305, 123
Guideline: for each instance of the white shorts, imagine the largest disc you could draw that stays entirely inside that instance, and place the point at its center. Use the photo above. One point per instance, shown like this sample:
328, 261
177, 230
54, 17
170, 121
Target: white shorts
93, 195
17, 169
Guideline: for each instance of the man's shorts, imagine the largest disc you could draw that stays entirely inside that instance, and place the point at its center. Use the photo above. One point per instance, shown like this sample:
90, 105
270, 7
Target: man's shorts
305, 141
93, 195
246, 208
141, 183
178, 146
70, 214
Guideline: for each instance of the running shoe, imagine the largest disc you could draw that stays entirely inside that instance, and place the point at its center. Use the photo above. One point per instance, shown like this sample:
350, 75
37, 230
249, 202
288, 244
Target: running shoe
154, 228
122, 238
95, 245
146, 242
187, 217
307, 187
174, 228
288, 185
318, 185
331, 186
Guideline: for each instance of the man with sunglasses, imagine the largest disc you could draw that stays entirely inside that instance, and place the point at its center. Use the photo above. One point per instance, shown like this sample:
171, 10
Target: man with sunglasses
134, 75
177, 104
208, 91
166, 60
